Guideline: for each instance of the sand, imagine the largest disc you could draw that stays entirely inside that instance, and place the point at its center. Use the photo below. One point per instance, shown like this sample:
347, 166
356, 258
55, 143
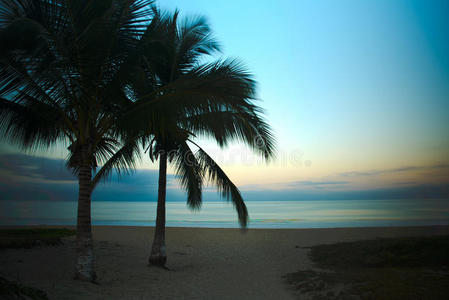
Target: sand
203, 263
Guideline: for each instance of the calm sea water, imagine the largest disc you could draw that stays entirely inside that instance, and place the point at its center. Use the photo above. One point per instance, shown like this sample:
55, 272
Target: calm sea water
263, 214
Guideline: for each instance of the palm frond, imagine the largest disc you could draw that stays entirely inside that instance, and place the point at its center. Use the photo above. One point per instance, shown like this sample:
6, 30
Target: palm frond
35, 126
189, 173
224, 185
122, 161
70, 76
194, 41
210, 87
226, 126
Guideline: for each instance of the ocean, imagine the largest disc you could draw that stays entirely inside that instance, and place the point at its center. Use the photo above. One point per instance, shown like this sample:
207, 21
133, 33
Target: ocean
263, 214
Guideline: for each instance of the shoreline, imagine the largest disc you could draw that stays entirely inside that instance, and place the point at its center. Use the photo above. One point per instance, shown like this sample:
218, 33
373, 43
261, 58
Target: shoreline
227, 228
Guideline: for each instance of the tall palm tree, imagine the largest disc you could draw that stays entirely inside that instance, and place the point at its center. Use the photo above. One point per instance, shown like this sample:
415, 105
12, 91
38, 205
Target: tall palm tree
213, 100
68, 78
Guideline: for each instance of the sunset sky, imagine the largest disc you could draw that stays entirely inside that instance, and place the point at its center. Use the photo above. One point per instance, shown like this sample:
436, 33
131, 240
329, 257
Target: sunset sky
357, 93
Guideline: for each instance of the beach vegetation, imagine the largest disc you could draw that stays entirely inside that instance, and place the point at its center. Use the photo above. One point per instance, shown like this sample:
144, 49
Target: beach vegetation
17, 291
31, 237
389, 268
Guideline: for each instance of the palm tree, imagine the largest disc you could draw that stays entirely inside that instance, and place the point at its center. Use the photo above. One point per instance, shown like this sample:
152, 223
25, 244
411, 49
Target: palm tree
69, 79
212, 100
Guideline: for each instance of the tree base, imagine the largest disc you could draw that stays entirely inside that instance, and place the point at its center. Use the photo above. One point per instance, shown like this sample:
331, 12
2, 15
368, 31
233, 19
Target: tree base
158, 261
84, 270
92, 278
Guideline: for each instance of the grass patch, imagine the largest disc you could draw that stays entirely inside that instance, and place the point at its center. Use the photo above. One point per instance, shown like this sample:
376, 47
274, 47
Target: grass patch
401, 268
429, 252
11, 290
28, 238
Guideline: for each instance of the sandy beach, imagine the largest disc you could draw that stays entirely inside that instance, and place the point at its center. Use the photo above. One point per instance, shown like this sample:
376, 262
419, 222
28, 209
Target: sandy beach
202, 263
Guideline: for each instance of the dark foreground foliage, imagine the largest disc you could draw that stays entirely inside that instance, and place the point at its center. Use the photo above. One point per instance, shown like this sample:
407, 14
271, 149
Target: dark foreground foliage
15, 291
413, 252
401, 268
28, 238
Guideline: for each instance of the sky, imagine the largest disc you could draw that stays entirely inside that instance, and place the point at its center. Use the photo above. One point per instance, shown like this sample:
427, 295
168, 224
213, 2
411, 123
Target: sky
357, 93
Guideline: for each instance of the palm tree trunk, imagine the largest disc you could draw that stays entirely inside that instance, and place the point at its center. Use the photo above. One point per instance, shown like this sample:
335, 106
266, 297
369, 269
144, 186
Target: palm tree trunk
85, 269
158, 255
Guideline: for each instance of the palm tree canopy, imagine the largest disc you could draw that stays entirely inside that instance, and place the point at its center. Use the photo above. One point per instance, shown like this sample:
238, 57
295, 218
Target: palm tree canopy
190, 98
68, 78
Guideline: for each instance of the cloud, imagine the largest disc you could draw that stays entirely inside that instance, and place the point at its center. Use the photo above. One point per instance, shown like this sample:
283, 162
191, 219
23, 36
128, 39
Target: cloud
299, 184
347, 185
316, 183
313, 184
25, 177
35, 168
44, 170
421, 192
394, 170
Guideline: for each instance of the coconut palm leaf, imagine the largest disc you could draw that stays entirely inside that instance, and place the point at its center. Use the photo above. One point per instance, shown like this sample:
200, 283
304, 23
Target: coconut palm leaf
189, 173
34, 126
121, 161
224, 185
226, 126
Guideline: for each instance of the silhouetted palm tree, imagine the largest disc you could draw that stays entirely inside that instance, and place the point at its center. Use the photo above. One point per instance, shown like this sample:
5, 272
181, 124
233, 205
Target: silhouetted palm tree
67, 71
212, 100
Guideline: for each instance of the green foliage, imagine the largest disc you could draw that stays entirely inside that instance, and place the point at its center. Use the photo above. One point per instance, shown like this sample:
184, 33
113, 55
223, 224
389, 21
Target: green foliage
70, 78
371, 284
195, 99
398, 252
28, 238
225, 186
400, 268
17, 291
